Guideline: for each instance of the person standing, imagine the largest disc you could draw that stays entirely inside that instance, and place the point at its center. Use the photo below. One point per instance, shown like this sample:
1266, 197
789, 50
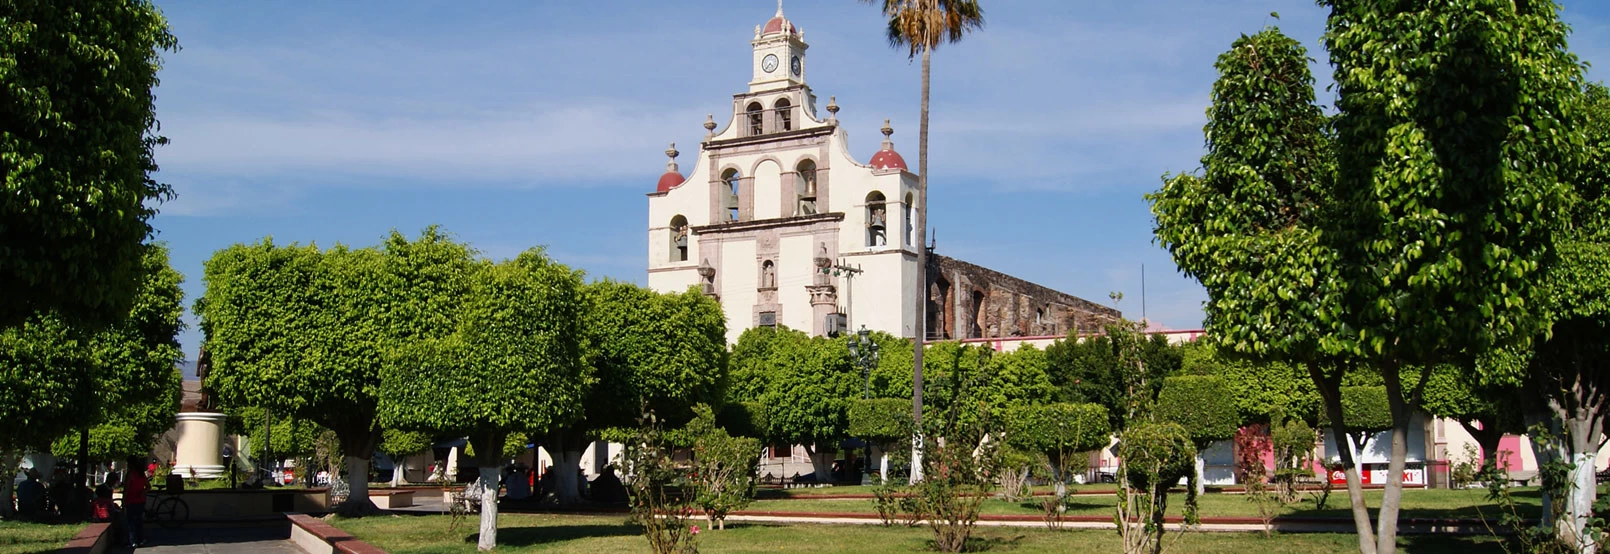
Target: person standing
134, 489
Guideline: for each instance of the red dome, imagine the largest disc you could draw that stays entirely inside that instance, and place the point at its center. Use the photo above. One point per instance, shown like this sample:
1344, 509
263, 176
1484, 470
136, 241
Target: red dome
669, 181
779, 24
888, 159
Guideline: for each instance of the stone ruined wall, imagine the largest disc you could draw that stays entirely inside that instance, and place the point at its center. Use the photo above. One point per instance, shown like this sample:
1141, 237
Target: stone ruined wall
969, 301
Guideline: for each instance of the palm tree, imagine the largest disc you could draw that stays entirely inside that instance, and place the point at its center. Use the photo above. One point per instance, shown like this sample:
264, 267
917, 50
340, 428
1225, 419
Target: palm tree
921, 26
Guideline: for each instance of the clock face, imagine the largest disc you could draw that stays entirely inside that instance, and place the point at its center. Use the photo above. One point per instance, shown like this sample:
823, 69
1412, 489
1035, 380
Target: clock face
769, 64
795, 65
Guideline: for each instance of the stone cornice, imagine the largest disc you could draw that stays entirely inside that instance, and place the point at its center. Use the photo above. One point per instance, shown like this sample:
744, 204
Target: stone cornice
770, 137
743, 226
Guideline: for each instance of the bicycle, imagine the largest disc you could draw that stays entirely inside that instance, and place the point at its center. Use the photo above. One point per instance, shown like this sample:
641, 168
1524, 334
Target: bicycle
169, 512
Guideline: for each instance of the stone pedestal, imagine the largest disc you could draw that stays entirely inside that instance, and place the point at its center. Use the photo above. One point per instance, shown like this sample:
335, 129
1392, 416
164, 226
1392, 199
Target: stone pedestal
199, 451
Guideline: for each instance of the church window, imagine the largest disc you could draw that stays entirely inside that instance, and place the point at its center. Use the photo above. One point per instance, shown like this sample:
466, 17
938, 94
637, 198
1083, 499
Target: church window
785, 115
876, 220
731, 193
679, 239
805, 189
756, 119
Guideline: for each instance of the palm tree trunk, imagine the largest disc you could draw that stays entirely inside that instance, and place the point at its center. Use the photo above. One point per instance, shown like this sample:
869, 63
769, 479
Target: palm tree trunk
922, 272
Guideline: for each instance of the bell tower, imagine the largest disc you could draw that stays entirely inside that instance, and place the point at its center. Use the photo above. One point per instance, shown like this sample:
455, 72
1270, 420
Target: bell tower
779, 54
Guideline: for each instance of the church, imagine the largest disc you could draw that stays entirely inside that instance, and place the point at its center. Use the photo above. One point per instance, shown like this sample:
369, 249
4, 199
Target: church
779, 221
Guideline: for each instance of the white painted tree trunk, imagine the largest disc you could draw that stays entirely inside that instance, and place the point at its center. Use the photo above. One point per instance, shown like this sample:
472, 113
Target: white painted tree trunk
916, 448
1201, 482
358, 483
489, 508
451, 473
1580, 508
822, 464
883, 467
397, 477
567, 468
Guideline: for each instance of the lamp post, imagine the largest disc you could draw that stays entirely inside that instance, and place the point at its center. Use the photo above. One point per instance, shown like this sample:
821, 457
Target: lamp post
865, 352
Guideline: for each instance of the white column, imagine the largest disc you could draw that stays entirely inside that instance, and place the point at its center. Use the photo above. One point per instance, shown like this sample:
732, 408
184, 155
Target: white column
199, 451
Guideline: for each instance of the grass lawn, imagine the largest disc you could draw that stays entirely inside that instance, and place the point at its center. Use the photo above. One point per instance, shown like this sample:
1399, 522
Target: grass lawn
31, 538
1424, 503
596, 534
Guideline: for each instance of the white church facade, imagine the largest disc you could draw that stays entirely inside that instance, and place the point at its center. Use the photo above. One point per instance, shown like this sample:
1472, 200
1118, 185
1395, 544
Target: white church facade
775, 199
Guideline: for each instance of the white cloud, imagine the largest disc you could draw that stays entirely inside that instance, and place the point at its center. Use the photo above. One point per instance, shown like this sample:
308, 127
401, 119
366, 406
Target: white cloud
539, 146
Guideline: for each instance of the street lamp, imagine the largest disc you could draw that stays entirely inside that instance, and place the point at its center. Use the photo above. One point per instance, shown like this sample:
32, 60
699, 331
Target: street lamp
865, 352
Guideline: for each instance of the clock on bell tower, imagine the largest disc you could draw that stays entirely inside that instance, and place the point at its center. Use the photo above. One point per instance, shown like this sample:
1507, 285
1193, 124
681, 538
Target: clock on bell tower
779, 54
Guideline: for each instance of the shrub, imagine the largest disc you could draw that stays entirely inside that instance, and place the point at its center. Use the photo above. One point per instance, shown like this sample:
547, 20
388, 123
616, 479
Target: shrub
723, 468
1152, 458
655, 486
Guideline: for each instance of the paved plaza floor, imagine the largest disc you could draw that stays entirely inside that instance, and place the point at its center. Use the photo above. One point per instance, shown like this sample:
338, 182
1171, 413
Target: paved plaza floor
231, 538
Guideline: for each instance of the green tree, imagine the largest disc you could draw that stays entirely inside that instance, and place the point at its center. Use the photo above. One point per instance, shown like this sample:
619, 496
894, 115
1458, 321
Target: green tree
131, 427
1366, 411
1260, 389
665, 351
805, 385
1203, 405
1454, 145
921, 26
884, 422
513, 362
399, 444
1252, 225
1059, 431
1568, 370
96, 390
1486, 410
302, 332
1088, 370
1155, 456
75, 93
723, 467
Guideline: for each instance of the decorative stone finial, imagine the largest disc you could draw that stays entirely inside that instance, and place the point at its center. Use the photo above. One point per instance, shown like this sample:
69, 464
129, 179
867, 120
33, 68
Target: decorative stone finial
887, 132
833, 108
670, 166
709, 126
779, 8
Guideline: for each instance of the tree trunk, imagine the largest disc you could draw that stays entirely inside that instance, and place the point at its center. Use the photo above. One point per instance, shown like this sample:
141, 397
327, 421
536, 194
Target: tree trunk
1386, 539
883, 467
567, 447
822, 464
1330, 391
489, 460
397, 477
489, 506
1201, 465
357, 447
1488, 437
921, 226
1545, 450
1583, 440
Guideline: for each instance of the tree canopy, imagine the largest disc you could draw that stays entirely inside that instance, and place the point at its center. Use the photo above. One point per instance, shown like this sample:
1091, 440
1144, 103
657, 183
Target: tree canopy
1202, 404
120, 379
77, 154
804, 383
512, 363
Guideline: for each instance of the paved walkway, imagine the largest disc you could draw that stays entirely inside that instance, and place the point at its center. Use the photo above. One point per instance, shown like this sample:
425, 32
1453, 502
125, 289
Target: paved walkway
230, 538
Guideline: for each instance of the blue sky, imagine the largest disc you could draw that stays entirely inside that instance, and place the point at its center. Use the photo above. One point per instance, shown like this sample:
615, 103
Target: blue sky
523, 123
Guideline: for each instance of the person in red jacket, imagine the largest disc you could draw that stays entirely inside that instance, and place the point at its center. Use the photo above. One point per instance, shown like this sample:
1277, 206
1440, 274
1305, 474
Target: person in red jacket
134, 489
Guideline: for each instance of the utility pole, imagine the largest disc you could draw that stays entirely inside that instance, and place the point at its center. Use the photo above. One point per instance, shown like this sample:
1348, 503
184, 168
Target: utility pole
842, 269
